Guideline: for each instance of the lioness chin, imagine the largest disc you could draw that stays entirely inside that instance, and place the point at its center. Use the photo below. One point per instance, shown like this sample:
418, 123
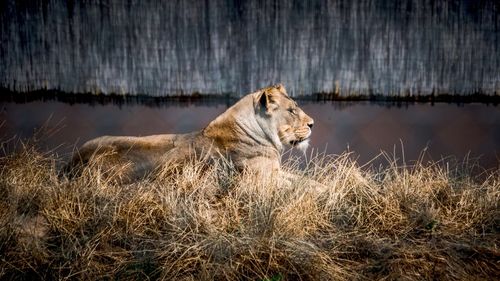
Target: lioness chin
251, 134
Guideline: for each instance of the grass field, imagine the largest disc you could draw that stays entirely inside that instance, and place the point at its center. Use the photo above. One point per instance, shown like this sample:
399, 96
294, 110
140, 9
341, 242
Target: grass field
424, 221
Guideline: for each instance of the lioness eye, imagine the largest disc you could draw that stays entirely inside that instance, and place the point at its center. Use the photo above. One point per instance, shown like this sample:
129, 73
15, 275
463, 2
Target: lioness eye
292, 111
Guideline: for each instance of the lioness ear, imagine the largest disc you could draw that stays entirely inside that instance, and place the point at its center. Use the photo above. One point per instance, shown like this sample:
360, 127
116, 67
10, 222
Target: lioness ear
281, 88
266, 101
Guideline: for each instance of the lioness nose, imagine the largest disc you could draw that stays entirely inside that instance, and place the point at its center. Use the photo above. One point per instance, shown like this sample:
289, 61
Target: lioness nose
310, 124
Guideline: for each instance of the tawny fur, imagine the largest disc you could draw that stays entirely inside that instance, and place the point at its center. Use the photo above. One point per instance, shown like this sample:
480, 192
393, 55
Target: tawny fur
252, 134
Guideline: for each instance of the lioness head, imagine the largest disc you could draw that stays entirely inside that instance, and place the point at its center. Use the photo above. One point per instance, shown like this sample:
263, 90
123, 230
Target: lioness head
283, 115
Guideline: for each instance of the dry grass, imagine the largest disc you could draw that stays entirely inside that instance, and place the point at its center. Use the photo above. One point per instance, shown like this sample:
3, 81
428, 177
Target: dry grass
419, 222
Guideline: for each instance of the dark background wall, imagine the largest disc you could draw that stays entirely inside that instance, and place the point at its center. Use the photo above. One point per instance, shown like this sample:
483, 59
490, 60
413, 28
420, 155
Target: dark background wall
221, 46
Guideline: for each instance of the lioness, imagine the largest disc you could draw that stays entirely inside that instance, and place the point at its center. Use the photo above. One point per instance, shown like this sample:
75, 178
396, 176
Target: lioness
252, 134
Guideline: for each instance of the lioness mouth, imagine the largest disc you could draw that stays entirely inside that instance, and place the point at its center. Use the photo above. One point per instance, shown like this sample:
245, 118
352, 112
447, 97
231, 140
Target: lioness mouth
296, 142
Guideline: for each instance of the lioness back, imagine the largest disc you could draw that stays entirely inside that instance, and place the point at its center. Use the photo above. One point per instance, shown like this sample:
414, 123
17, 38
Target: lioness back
129, 157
